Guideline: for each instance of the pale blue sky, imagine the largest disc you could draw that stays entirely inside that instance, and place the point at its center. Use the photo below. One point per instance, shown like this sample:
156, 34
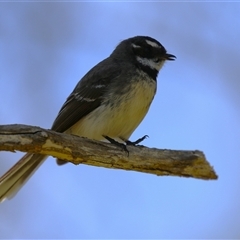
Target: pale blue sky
47, 47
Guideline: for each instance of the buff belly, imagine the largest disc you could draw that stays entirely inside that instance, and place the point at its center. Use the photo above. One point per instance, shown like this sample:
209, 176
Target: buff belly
117, 120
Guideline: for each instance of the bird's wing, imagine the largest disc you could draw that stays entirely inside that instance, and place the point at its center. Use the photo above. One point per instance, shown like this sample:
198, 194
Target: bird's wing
87, 95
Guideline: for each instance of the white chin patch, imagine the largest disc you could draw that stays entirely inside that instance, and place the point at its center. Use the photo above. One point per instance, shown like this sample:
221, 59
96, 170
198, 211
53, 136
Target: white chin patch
150, 63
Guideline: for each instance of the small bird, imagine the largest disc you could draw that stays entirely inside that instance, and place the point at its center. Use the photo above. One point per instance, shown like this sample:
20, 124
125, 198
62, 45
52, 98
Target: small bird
109, 102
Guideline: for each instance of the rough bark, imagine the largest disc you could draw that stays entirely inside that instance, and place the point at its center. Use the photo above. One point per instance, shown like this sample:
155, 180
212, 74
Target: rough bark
85, 151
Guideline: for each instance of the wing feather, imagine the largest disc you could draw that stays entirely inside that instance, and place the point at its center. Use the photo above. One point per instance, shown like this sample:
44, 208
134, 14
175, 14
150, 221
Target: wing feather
87, 95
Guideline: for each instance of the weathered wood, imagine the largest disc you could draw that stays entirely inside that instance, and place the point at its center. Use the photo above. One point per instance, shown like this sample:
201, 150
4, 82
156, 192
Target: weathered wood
85, 151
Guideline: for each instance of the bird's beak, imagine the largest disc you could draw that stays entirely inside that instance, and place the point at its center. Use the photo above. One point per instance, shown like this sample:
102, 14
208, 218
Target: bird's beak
169, 57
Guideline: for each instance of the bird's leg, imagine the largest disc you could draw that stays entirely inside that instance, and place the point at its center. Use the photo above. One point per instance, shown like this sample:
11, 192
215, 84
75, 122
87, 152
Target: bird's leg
116, 143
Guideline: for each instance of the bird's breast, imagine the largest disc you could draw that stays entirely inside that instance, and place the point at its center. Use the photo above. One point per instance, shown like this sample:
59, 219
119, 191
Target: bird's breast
120, 113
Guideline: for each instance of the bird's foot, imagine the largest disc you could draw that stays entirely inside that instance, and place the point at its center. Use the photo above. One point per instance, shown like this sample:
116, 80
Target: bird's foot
116, 143
136, 142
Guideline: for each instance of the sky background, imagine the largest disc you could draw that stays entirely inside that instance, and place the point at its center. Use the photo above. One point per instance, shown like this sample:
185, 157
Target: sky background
45, 48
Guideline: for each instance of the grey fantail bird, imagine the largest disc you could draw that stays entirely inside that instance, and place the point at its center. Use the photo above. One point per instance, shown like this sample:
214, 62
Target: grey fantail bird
109, 102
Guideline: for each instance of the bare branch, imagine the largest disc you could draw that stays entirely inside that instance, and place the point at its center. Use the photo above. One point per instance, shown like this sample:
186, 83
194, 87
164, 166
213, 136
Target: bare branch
85, 151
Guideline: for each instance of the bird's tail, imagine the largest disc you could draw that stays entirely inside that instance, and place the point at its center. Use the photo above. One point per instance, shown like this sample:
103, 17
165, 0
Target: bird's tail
16, 177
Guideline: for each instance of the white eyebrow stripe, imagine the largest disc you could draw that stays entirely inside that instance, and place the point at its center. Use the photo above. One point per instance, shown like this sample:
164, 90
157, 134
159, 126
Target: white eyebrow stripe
153, 44
135, 46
